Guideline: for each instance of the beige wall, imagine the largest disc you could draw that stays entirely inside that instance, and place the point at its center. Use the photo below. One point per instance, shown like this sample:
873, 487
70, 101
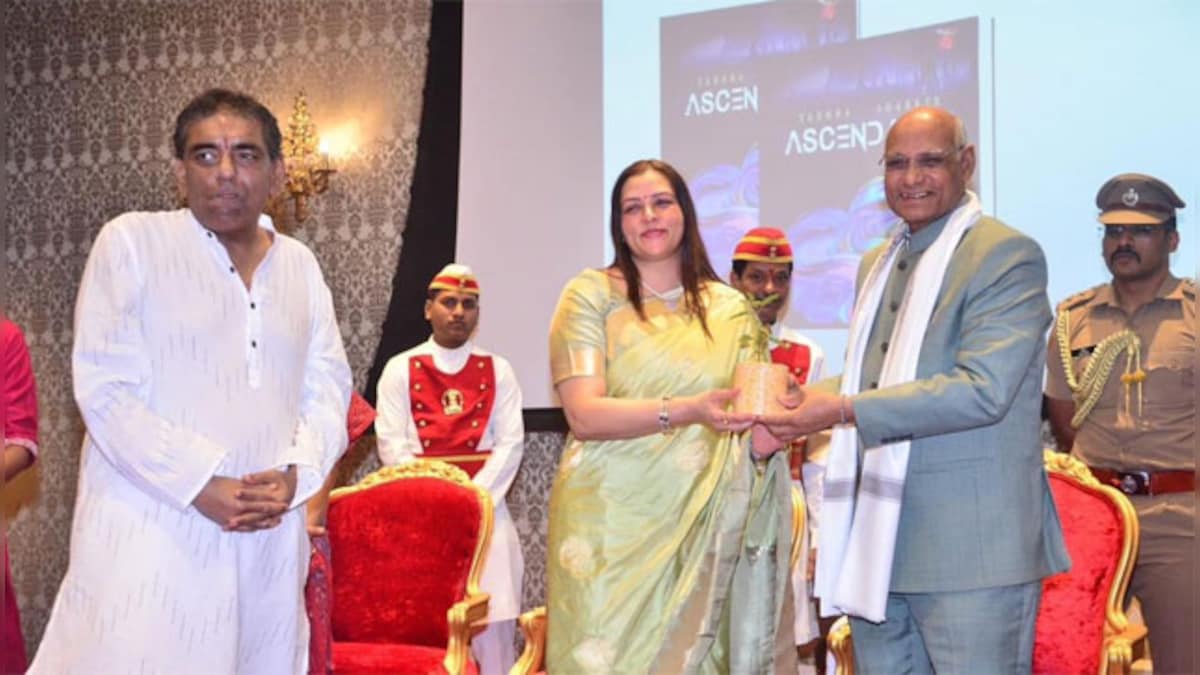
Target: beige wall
92, 89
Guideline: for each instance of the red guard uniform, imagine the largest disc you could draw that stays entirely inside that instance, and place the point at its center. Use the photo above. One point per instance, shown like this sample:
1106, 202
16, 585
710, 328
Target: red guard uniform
462, 406
451, 411
797, 357
804, 359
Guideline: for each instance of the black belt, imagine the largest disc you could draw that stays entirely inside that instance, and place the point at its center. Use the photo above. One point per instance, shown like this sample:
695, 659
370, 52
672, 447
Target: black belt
1147, 482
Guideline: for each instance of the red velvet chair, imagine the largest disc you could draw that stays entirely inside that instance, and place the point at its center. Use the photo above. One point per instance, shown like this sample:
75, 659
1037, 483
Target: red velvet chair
1082, 627
408, 545
1081, 624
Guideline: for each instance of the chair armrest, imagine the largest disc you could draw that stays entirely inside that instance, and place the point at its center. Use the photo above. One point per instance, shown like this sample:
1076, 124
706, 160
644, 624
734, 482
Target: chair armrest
1118, 649
842, 646
533, 627
465, 619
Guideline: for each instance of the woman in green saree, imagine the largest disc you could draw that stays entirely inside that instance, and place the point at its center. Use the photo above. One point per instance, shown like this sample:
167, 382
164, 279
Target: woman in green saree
669, 539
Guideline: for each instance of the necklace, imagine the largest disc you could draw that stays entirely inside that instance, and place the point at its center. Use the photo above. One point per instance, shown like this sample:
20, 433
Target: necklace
670, 296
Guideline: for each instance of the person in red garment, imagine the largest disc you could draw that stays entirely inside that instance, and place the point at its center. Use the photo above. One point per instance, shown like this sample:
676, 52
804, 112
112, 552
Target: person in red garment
19, 420
762, 267
318, 589
449, 399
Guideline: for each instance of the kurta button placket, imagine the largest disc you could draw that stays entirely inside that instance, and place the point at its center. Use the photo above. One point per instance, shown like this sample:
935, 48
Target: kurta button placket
254, 322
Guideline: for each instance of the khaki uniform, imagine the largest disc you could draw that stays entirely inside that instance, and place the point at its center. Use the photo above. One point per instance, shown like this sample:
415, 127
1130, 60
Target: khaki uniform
1155, 434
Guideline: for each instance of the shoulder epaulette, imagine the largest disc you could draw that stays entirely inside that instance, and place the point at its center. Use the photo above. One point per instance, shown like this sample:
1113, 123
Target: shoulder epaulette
1080, 298
1189, 288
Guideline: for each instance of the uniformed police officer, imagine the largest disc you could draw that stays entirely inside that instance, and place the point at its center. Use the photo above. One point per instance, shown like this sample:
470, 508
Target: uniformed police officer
1132, 417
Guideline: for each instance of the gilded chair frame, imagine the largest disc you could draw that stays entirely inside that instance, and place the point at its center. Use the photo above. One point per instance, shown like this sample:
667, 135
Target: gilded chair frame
799, 522
467, 617
1120, 637
533, 627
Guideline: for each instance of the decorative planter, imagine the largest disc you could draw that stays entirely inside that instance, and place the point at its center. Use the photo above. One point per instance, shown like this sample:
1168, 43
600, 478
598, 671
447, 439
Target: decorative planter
760, 385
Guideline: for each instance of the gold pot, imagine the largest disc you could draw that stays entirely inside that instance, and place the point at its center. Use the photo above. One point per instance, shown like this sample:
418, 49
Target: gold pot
760, 385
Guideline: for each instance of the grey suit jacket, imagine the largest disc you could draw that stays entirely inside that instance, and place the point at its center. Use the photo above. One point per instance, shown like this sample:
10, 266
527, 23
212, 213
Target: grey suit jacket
977, 510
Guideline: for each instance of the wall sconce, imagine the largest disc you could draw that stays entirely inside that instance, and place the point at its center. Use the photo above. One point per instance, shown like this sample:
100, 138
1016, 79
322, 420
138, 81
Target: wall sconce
308, 168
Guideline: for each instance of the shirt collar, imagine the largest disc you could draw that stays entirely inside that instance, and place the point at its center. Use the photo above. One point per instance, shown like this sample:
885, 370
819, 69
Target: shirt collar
264, 221
449, 353
924, 238
1170, 289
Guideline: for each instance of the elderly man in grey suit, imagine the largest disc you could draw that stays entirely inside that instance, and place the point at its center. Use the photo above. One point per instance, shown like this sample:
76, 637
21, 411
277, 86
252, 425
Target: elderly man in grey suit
938, 523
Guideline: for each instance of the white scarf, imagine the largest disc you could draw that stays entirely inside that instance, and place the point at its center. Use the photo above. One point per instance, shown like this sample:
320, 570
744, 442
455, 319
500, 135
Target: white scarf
858, 532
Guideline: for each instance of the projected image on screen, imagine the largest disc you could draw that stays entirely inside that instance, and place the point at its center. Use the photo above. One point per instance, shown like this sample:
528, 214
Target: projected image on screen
825, 125
791, 136
715, 68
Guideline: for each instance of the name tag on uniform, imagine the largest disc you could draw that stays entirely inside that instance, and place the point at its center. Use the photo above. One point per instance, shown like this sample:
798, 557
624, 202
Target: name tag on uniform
1083, 351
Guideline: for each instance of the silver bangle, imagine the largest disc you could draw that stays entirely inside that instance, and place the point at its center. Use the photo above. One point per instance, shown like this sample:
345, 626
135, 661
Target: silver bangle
664, 416
842, 408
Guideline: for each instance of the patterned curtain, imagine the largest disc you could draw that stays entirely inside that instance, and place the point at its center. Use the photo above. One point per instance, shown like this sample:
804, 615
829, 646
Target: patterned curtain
92, 90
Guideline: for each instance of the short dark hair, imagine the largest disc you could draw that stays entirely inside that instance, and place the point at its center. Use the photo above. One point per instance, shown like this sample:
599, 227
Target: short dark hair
1170, 224
739, 268
213, 101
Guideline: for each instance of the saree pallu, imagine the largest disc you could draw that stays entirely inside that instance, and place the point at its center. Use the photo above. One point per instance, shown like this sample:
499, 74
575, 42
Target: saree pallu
667, 553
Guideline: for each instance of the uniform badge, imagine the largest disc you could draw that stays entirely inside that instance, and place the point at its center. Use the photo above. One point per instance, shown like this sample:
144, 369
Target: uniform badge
1130, 198
452, 402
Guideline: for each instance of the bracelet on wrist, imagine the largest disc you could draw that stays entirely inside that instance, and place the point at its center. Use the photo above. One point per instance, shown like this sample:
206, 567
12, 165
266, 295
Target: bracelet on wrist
842, 408
664, 416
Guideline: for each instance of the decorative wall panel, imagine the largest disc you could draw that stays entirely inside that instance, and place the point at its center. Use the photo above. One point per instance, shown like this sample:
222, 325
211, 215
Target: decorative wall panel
92, 88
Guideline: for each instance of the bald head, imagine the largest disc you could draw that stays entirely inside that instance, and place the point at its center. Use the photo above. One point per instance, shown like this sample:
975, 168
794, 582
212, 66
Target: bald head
928, 119
927, 164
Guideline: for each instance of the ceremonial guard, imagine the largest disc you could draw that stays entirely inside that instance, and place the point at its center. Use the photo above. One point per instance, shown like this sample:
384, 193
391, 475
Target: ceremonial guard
762, 268
450, 400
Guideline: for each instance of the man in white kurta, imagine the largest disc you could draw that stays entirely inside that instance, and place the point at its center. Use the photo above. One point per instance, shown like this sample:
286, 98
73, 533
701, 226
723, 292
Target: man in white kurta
194, 370
449, 350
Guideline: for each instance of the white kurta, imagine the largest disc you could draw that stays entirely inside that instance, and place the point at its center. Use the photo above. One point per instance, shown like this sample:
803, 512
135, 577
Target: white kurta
806, 617
181, 373
505, 435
